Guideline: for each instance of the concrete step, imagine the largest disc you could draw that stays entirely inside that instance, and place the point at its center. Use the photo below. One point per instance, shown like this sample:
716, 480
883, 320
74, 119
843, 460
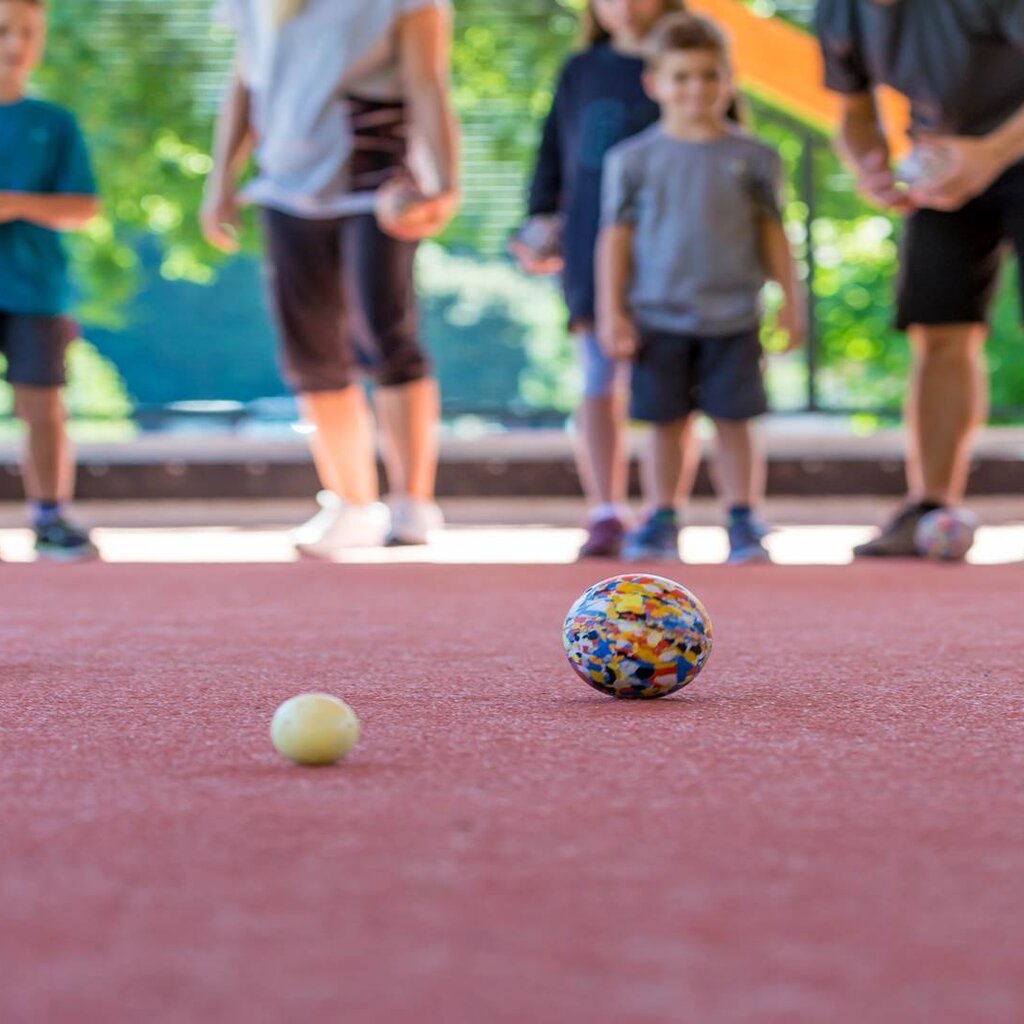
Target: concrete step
806, 455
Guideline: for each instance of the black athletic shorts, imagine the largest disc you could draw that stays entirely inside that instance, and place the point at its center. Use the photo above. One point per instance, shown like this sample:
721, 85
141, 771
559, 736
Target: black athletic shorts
676, 374
950, 262
343, 298
34, 347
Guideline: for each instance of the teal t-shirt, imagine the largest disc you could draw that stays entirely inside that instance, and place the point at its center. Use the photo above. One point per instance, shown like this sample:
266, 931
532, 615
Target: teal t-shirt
43, 151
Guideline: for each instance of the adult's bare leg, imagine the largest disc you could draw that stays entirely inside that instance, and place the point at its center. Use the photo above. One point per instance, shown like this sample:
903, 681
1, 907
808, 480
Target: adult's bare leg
947, 401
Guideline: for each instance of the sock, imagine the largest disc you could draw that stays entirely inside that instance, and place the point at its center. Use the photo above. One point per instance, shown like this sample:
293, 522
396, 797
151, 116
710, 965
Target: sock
737, 513
924, 507
608, 510
45, 512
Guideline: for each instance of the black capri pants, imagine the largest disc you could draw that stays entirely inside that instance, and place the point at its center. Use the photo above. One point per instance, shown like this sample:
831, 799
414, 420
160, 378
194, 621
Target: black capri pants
344, 301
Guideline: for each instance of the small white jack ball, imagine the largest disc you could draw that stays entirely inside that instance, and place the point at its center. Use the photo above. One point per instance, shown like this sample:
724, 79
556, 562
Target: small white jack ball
314, 728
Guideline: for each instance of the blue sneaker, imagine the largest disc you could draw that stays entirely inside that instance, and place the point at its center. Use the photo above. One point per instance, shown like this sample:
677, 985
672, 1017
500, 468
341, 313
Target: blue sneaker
656, 540
746, 543
62, 541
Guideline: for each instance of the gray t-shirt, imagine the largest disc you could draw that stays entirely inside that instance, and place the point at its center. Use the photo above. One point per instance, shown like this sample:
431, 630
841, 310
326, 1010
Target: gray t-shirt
299, 75
960, 62
696, 209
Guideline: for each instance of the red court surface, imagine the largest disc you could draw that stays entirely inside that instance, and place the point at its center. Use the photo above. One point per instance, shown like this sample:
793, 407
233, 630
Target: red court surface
828, 826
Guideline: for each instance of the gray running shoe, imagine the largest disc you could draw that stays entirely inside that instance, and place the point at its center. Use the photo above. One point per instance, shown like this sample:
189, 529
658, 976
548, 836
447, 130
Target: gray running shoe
896, 538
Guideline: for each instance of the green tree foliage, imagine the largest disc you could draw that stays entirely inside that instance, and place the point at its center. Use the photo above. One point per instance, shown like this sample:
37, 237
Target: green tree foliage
139, 74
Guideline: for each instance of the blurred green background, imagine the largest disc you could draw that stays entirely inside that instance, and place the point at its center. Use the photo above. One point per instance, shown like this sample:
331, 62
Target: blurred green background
169, 321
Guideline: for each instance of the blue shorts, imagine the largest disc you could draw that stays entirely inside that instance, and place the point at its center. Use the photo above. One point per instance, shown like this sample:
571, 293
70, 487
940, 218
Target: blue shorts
34, 347
678, 374
602, 376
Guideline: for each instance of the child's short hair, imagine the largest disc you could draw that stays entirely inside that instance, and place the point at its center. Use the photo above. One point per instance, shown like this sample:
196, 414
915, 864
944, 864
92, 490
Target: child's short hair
678, 33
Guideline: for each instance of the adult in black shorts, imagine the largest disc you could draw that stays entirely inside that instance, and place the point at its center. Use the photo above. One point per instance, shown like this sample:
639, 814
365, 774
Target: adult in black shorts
326, 94
961, 64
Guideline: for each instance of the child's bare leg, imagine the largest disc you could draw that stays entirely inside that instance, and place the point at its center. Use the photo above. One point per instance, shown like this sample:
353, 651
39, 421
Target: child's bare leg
740, 470
48, 471
601, 455
602, 459
740, 480
47, 465
663, 467
691, 449
602, 450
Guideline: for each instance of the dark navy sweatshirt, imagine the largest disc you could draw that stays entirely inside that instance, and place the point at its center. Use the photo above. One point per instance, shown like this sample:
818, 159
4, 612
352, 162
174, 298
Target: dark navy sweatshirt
599, 101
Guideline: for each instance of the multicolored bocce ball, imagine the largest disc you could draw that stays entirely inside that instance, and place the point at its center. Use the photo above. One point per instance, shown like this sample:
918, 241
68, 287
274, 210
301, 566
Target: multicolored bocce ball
637, 637
946, 534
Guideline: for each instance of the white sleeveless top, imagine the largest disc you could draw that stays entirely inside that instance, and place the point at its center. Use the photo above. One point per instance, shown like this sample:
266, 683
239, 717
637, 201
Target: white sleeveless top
298, 76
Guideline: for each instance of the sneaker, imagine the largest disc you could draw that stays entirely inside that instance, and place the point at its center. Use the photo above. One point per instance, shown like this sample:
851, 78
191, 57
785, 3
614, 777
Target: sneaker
340, 525
62, 541
896, 538
746, 543
412, 522
604, 539
656, 540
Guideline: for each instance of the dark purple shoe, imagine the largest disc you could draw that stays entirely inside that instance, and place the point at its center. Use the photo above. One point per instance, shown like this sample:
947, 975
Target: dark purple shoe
604, 539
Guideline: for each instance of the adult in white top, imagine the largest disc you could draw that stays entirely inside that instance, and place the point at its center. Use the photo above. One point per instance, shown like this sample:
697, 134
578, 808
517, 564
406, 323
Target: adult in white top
346, 109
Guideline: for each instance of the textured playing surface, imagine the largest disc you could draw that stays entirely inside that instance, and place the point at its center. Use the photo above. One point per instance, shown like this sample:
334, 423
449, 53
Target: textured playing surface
827, 826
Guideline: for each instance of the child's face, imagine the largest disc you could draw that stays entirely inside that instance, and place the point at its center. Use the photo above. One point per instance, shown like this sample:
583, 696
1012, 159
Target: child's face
22, 35
695, 84
627, 20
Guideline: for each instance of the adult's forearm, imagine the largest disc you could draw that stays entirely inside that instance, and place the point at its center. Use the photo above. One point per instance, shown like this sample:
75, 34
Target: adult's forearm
425, 49
233, 137
546, 186
57, 211
434, 123
1008, 140
860, 129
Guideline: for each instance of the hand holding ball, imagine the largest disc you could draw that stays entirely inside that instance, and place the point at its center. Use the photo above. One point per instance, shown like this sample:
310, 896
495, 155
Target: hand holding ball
404, 212
537, 245
923, 165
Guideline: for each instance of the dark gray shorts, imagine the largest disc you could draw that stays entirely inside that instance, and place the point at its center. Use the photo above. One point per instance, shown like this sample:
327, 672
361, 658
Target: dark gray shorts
34, 347
949, 265
343, 298
677, 374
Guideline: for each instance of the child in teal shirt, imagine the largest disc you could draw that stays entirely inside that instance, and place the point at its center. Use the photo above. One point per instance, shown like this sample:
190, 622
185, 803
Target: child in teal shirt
46, 186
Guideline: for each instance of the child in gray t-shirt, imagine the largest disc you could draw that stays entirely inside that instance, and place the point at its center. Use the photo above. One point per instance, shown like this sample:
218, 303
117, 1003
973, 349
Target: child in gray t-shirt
692, 229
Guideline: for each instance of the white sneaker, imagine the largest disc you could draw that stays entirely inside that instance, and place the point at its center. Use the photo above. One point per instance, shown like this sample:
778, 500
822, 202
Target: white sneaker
339, 525
413, 521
